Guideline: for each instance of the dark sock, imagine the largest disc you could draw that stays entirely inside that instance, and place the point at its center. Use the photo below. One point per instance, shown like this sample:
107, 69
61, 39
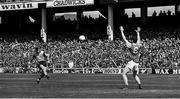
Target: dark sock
140, 86
126, 86
46, 76
42, 75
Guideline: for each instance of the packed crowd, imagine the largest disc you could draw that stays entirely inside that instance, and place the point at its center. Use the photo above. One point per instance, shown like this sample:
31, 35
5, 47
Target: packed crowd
156, 53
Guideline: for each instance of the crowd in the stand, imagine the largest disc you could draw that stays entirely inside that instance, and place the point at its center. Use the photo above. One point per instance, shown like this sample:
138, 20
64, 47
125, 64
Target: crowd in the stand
156, 53
160, 47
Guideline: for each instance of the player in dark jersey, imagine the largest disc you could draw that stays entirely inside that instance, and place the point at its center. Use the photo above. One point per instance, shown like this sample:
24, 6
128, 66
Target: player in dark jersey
133, 49
42, 58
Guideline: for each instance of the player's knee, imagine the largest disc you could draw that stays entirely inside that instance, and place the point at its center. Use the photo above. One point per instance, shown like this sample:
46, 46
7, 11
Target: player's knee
42, 67
135, 73
123, 74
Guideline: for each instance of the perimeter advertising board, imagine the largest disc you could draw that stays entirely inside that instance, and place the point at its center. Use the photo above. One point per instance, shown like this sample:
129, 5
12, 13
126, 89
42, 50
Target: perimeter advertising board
65, 3
165, 71
99, 70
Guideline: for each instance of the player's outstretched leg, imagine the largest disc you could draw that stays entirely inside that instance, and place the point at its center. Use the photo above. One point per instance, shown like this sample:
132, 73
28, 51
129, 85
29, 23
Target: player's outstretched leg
47, 76
124, 75
45, 71
136, 77
39, 79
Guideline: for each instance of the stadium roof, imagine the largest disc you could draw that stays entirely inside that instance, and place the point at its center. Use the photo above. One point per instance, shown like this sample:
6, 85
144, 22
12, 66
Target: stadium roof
141, 2
128, 1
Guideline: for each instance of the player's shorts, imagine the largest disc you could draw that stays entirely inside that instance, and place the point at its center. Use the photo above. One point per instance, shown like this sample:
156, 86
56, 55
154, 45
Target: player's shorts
133, 65
41, 63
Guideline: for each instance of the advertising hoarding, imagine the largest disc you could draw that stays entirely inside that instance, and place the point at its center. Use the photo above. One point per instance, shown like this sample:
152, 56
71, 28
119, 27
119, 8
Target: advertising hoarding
18, 1
65, 3
99, 70
165, 71
18, 6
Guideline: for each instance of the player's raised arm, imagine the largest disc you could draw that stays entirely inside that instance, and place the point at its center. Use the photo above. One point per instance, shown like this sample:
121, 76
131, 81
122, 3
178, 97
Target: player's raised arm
124, 37
138, 36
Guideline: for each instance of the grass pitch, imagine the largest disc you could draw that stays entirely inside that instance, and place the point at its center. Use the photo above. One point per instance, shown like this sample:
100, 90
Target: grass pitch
88, 86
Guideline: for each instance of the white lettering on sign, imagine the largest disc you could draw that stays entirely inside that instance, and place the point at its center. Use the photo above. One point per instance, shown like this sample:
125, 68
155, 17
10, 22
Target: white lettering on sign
157, 71
18, 6
176, 71
63, 3
57, 71
111, 71
68, 2
161, 71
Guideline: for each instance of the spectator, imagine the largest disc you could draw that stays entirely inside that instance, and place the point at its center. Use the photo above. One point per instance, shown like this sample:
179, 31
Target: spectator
154, 14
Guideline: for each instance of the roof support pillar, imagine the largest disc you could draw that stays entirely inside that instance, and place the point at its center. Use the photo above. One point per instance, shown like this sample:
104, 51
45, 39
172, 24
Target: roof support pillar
177, 9
144, 14
43, 25
79, 18
110, 21
118, 18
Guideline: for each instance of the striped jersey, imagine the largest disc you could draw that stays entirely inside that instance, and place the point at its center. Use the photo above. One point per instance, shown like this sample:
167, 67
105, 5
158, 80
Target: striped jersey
134, 53
41, 56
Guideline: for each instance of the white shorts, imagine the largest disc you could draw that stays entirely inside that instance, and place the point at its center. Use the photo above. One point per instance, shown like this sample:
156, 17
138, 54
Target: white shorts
132, 65
43, 67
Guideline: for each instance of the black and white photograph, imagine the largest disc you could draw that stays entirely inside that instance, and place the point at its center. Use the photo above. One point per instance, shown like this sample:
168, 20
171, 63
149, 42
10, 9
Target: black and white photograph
89, 49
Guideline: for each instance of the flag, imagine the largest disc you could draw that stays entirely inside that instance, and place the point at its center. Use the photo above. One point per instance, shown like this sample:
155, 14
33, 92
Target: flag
110, 33
43, 35
31, 19
116, 0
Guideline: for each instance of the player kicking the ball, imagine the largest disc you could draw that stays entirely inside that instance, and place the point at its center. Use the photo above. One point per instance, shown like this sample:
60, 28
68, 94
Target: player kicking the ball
133, 49
42, 59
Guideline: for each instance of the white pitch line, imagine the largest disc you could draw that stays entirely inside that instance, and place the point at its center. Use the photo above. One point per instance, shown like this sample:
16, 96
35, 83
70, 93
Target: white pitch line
16, 86
128, 91
17, 78
62, 80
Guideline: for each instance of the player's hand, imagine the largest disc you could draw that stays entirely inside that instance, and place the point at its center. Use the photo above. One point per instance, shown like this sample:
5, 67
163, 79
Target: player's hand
138, 29
108, 27
128, 45
121, 28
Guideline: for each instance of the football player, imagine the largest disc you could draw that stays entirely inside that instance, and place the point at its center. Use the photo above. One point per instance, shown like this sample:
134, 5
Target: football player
134, 54
42, 59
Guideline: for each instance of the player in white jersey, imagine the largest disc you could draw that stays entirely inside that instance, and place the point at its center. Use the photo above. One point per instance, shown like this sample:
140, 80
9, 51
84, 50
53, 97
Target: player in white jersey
134, 54
42, 58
